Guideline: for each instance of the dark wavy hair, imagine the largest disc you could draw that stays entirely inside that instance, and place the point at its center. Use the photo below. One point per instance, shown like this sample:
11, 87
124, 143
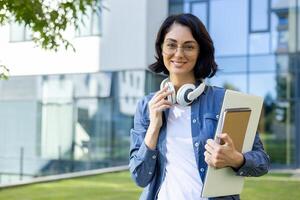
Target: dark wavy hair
205, 64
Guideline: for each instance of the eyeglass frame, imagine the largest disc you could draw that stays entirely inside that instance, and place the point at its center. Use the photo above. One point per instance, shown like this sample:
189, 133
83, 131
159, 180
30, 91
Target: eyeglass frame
188, 53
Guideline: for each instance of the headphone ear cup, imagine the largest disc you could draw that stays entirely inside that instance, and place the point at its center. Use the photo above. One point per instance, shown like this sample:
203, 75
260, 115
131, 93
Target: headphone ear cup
182, 94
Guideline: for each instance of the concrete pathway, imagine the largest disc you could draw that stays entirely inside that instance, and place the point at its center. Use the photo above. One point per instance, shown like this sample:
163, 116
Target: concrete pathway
295, 172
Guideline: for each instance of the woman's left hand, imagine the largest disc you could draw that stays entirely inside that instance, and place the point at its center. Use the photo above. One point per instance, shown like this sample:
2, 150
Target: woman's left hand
225, 155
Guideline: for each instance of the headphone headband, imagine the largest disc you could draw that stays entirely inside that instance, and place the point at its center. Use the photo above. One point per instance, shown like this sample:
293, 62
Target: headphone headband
186, 94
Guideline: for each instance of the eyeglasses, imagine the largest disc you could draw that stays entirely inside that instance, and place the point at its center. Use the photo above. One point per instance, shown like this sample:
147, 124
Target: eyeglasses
170, 48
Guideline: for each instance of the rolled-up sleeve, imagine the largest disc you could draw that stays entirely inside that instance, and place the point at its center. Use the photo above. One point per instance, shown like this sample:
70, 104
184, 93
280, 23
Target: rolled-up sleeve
256, 161
142, 160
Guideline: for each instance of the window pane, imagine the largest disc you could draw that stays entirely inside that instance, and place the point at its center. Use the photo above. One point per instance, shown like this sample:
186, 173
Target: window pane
28, 33
96, 23
94, 130
131, 85
200, 10
298, 25
17, 32
263, 84
122, 125
232, 64
19, 129
20, 88
259, 15
276, 122
236, 82
282, 62
286, 12
93, 85
175, 8
277, 131
262, 63
57, 89
56, 131
84, 28
274, 32
259, 43
228, 31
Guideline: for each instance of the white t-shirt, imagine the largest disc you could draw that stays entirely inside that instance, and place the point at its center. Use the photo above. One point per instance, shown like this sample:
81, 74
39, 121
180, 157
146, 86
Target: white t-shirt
182, 180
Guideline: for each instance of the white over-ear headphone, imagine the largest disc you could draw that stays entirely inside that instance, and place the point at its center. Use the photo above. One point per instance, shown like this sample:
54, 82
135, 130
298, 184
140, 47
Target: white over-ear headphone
186, 93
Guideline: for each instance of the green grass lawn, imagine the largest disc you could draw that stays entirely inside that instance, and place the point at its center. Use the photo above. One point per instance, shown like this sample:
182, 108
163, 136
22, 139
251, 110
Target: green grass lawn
118, 186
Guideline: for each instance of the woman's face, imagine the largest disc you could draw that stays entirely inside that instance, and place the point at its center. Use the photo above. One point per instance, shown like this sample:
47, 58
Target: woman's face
180, 51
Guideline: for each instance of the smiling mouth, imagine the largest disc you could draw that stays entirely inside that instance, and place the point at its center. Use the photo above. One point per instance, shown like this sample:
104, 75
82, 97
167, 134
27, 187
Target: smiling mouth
178, 63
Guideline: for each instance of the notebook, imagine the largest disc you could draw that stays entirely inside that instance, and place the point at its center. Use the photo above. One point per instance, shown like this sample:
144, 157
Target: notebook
234, 123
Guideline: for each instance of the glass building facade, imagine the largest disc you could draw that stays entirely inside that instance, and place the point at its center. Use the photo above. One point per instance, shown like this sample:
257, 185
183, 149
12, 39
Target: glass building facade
65, 123
257, 50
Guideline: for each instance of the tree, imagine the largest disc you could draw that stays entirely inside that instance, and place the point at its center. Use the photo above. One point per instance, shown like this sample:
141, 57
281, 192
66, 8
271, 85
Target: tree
230, 86
3, 72
47, 19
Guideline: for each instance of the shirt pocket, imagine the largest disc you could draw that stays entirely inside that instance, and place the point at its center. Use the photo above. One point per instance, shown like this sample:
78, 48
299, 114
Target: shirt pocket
210, 121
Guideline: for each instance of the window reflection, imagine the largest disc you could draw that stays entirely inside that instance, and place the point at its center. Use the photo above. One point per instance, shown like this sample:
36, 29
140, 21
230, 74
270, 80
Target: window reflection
228, 64
200, 10
17, 32
262, 63
259, 15
263, 84
259, 43
228, 39
90, 23
236, 82
277, 130
175, 8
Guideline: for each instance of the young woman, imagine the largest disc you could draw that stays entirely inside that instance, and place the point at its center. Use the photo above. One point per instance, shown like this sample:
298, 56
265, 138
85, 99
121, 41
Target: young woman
171, 141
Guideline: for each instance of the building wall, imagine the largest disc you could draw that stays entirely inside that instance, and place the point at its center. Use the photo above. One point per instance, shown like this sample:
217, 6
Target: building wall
129, 29
66, 117
20, 123
25, 58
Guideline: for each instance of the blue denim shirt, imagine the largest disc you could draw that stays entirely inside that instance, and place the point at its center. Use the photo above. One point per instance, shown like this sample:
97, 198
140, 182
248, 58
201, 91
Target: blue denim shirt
147, 166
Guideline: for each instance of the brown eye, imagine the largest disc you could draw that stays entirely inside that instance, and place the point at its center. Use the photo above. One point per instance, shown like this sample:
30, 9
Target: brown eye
171, 45
189, 47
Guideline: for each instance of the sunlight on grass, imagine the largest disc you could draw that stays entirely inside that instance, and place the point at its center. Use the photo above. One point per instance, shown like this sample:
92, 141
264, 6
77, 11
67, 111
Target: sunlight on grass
116, 186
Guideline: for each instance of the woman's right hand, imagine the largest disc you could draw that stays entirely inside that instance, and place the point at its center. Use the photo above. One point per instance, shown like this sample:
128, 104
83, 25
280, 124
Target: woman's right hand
157, 105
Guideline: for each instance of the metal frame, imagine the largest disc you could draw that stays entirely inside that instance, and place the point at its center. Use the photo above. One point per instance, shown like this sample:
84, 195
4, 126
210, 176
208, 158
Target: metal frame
207, 9
250, 19
297, 111
297, 93
190, 3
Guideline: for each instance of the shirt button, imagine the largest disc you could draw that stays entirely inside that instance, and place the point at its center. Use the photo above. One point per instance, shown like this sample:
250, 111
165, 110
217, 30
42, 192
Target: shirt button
154, 157
194, 121
150, 173
217, 116
196, 144
202, 170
